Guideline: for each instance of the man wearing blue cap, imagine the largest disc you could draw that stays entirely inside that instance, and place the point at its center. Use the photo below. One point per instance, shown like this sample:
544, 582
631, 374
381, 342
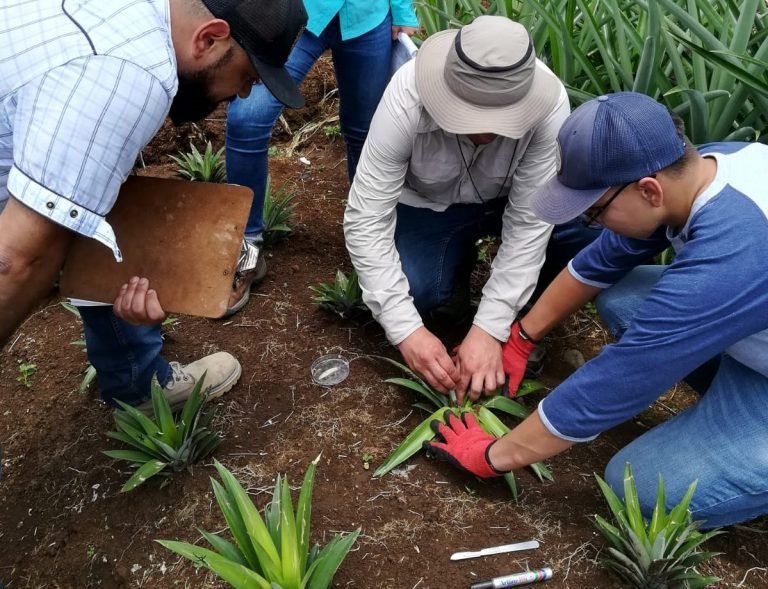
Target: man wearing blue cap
626, 165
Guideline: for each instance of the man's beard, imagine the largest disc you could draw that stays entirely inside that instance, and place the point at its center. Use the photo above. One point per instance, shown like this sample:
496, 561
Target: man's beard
193, 101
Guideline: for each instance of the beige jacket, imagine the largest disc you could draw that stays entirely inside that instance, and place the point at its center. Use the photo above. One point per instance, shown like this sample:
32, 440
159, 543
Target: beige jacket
407, 158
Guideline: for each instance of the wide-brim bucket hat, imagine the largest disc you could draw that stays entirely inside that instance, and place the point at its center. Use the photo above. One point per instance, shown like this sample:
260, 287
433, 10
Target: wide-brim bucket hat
485, 78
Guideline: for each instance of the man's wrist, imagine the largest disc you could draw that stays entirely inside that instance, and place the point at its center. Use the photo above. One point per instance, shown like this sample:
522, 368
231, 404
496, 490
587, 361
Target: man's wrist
524, 334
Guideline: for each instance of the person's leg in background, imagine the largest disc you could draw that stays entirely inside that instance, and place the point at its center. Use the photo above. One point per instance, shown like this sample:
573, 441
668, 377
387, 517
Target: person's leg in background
362, 68
617, 306
720, 442
127, 356
249, 129
451, 235
437, 249
566, 241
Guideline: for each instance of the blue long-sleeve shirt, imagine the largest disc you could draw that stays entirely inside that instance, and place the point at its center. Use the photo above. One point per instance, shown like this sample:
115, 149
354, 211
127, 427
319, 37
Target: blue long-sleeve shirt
357, 17
712, 299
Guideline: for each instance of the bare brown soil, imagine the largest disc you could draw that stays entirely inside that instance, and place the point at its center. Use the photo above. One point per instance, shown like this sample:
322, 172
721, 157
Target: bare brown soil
64, 524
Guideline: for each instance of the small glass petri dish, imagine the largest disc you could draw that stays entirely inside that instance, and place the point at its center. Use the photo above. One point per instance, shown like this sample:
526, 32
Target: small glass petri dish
329, 370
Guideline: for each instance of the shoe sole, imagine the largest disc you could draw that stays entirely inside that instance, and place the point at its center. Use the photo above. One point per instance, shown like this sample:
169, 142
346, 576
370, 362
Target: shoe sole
218, 391
238, 305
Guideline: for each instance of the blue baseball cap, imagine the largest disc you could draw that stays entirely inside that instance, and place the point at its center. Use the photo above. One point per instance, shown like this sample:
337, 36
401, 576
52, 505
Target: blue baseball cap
608, 141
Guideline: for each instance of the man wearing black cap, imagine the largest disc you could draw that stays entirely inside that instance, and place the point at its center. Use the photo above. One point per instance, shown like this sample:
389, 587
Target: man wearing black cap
84, 85
626, 164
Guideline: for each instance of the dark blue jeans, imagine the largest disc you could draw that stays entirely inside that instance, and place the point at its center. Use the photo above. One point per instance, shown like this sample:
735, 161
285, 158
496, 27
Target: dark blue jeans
125, 356
362, 72
437, 249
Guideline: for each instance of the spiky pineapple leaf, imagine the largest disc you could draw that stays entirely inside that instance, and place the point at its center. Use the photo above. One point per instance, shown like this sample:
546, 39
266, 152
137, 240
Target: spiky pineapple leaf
202, 167
144, 472
282, 533
177, 443
412, 443
277, 212
234, 573
343, 296
661, 553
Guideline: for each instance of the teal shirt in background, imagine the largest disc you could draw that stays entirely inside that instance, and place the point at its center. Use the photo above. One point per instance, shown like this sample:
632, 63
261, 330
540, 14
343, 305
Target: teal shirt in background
357, 17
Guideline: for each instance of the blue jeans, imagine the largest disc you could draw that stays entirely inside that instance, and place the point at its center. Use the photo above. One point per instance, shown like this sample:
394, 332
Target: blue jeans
362, 73
125, 356
437, 249
721, 441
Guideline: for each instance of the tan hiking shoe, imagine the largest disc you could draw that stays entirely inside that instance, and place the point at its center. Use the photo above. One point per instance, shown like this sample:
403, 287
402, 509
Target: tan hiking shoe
246, 279
222, 371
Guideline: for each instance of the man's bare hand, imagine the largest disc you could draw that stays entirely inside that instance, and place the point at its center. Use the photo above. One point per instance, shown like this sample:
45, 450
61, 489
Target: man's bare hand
397, 29
478, 359
138, 304
426, 355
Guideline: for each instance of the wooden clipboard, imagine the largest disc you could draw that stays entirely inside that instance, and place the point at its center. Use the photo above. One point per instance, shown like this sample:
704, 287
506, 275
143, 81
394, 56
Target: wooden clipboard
185, 237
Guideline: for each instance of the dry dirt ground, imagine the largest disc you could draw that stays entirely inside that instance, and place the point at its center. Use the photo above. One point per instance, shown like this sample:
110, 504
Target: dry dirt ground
63, 522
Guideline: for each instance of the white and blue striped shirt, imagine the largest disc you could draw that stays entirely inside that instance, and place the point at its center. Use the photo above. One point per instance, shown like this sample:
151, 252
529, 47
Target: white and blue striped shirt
84, 86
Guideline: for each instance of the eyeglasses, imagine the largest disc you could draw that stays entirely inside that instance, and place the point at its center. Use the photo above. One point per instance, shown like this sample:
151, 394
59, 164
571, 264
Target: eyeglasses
589, 217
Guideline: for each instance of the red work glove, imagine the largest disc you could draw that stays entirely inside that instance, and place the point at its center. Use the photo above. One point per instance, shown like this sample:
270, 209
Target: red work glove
465, 444
514, 356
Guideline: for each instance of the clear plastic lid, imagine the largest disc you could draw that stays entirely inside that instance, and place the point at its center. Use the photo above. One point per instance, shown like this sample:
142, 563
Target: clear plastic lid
329, 370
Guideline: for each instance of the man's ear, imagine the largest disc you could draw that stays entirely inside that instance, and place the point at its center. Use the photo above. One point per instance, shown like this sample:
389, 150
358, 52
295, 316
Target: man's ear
211, 40
651, 191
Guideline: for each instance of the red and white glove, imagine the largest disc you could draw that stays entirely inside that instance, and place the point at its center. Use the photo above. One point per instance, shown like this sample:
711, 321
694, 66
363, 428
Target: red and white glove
465, 444
514, 356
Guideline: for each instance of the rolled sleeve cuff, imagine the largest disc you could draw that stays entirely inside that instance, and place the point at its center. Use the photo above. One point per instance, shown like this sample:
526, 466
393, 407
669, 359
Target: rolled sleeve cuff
400, 322
556, 432
587, 281
62, 210
495, 318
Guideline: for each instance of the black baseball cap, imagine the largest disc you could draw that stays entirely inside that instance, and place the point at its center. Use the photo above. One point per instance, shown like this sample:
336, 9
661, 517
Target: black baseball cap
267, 30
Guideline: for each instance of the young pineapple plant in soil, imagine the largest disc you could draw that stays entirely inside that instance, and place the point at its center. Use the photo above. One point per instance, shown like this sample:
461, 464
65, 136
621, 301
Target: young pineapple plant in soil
660, 554
277, 212
272, 552
482, 409
163, 444
343, 296
208, 166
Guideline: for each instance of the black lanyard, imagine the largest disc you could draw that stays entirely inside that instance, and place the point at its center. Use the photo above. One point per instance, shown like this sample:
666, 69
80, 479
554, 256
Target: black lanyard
472, 180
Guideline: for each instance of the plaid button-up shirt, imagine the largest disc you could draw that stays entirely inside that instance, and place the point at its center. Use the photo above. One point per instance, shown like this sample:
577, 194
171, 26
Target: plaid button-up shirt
84, 86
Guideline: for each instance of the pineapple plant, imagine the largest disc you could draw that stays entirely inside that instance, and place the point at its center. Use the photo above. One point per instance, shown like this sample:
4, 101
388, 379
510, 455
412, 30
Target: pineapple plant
343, 296
163, 444
208, 166
658, 554
269, 552
483, 410
277, 212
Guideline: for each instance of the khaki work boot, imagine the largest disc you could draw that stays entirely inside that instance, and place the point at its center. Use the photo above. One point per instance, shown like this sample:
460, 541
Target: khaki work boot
222, 371
252, 258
